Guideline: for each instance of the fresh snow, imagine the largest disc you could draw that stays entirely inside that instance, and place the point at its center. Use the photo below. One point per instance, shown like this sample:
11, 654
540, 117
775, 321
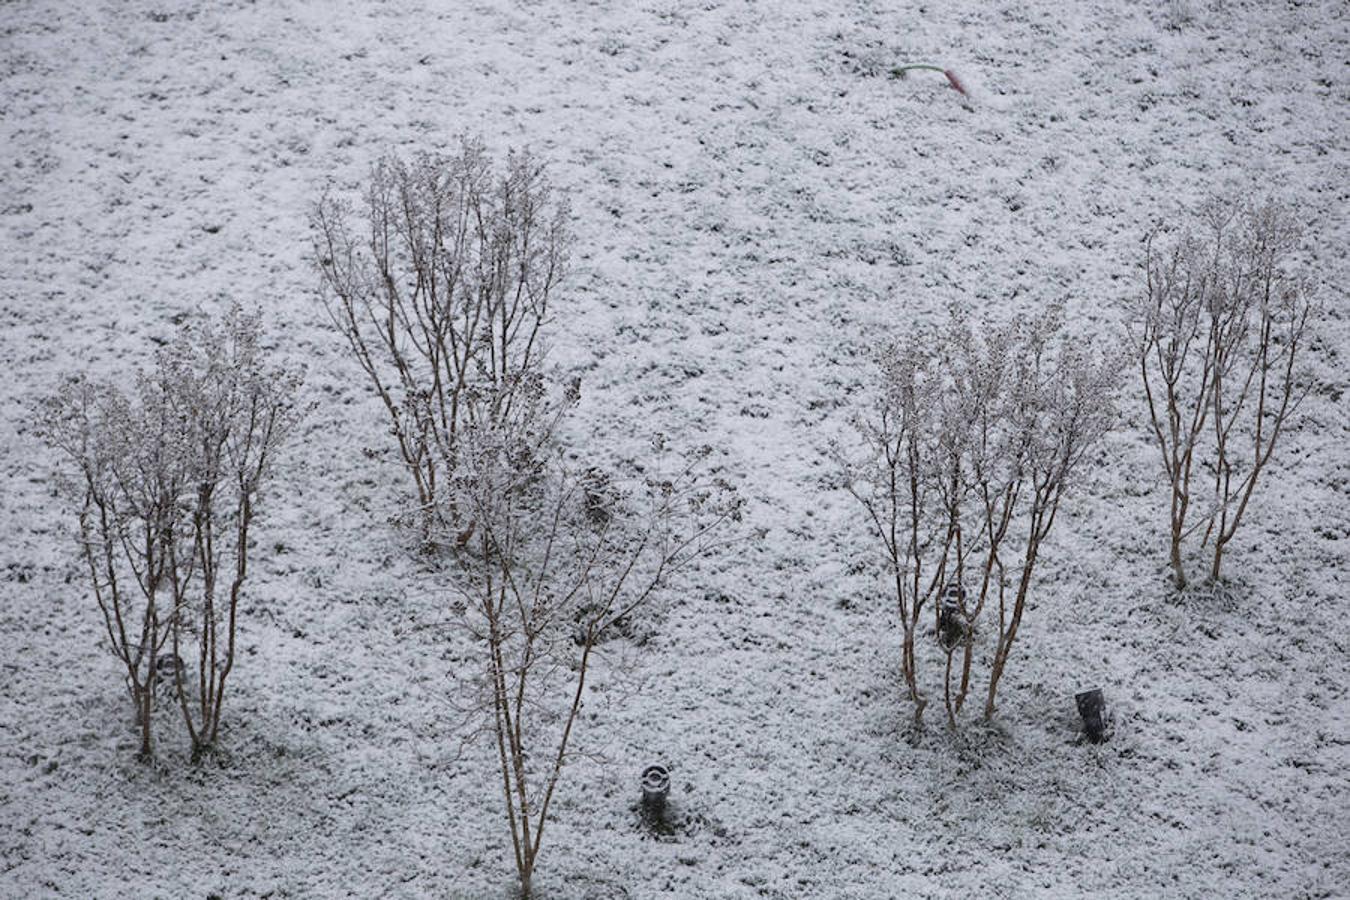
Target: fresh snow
757, 204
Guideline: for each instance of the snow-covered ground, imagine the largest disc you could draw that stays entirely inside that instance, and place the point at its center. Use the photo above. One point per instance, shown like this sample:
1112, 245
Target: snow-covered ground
755, 202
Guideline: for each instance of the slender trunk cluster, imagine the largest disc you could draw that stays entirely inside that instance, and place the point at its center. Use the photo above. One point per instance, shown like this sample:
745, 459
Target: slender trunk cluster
1216, 335
170, 481
969, 445
110, 544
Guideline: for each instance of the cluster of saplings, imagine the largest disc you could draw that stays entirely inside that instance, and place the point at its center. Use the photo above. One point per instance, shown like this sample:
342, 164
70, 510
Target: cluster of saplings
440, 282
168, 480
972, 436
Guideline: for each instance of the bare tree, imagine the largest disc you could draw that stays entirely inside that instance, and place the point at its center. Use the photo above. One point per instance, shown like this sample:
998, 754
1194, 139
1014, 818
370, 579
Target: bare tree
1217, 335
969, 446
980, 471
443, 286
1060, 407
237, 410
1175, 357
906, 500
553, 567
128, 477
153, 529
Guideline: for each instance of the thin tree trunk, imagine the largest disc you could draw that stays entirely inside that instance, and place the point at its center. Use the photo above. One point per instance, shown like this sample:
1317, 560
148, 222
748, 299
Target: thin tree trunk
1218, 558
1005, 640
1178, 571
147, 751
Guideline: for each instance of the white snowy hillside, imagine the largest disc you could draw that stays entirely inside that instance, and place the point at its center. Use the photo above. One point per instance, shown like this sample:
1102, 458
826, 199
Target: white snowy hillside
757, 206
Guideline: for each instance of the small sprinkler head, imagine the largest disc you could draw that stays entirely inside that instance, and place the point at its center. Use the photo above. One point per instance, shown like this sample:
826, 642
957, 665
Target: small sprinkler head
655, 789
1092, 708
951, 625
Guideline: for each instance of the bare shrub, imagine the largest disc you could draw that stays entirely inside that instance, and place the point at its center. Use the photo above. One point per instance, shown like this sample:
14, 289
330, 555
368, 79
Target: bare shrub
439, 285
547, 577
1216, 335
168, 484
969, 444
